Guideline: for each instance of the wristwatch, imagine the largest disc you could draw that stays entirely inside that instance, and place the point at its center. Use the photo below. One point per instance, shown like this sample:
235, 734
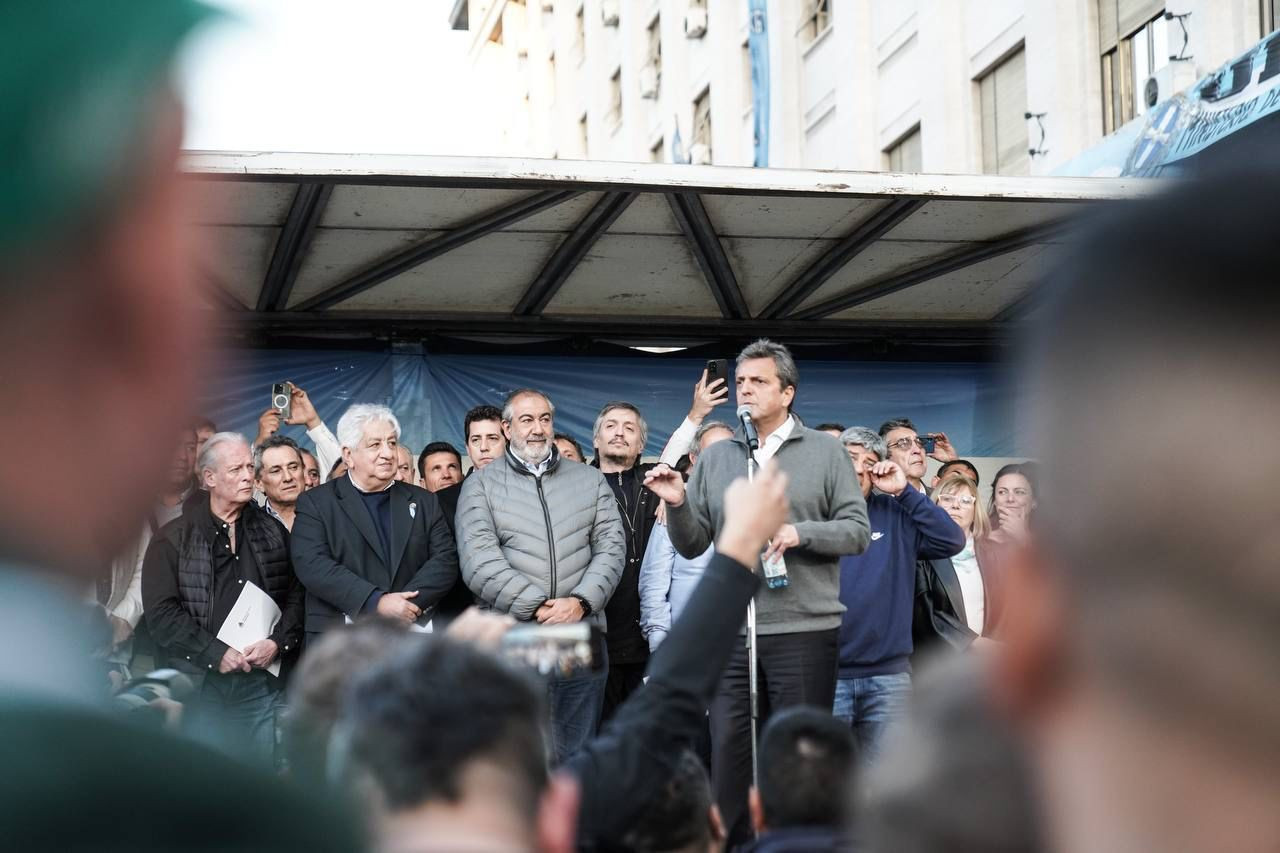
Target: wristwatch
586, 605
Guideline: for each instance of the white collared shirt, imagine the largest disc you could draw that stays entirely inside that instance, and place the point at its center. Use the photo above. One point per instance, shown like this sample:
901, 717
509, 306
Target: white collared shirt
540, 468
774, 440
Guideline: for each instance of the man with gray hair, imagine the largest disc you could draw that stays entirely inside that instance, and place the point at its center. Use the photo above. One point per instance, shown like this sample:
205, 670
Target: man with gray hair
366, 542
798, 616
543, 541
877, 588
619, 438
193, 576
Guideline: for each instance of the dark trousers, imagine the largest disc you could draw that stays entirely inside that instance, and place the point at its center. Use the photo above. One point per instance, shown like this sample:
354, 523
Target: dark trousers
624, 679
236, 713
794, 669
574, 710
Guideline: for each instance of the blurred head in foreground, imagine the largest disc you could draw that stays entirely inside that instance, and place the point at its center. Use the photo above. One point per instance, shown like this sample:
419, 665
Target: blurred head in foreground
99, 331
1141, 654
441, 768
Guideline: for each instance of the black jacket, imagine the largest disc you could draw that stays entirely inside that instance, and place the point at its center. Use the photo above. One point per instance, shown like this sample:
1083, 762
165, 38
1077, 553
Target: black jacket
626, 641
939, 620
177, 586
460, 597
338, 556
620, 771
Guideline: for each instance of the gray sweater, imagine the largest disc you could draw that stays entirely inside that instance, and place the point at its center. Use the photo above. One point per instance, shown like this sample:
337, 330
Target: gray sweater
827, 510
523, 539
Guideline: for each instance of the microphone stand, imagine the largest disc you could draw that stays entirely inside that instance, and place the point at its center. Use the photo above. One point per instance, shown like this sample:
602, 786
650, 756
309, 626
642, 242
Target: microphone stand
753, 677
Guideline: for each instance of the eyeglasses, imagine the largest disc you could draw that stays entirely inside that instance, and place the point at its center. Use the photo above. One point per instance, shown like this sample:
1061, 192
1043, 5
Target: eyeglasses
905, 444
956, 501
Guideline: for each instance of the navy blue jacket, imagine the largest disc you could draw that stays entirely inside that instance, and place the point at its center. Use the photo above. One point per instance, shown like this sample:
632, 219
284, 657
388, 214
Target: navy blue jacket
877, 587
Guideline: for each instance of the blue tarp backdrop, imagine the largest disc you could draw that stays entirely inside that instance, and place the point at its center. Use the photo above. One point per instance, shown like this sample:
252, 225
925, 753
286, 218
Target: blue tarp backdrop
430, 393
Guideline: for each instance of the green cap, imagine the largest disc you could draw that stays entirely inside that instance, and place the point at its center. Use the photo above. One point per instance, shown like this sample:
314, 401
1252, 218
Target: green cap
78, 80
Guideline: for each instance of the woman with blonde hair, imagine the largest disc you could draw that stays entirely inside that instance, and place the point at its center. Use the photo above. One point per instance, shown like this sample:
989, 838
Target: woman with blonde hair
953, 595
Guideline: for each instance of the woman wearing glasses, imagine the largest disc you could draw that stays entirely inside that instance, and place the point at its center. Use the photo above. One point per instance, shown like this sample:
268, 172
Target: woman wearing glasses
953, 594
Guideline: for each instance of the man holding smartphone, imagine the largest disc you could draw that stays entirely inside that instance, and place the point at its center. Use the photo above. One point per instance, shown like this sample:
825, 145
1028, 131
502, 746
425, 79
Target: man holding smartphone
912, 451
797, 623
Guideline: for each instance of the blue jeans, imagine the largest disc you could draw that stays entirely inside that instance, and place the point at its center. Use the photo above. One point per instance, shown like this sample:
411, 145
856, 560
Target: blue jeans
574, 706
236, 713
869, 705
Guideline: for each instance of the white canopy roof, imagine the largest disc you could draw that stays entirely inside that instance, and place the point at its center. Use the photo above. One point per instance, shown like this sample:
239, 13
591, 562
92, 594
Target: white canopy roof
649, 253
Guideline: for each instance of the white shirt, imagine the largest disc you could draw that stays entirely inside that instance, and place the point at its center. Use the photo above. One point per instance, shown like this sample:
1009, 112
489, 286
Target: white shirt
769, 447
680, 443
971, 587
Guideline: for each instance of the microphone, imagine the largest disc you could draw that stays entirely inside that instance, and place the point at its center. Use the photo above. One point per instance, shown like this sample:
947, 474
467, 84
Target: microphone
744, 417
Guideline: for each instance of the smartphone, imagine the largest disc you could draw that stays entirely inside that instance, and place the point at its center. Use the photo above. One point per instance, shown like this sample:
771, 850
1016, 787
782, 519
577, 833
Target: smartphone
281, 398
718, 368
565, 651
930, 441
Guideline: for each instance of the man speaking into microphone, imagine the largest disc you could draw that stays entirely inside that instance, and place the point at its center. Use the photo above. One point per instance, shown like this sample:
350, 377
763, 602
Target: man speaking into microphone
798, 614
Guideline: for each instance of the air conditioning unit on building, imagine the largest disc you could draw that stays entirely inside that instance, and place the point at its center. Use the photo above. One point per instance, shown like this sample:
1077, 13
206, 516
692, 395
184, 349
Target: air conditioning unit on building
699, 154
609, 12
695, 22
1167, 82
649, 81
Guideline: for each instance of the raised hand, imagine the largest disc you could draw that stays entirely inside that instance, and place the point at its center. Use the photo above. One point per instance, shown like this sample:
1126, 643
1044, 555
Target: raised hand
666, 483
888, 477
707, 397
301, 411
268, 425
942, 449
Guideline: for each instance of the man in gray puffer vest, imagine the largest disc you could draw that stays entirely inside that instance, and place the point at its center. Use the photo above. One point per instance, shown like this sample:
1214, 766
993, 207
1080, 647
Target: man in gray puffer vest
540, 538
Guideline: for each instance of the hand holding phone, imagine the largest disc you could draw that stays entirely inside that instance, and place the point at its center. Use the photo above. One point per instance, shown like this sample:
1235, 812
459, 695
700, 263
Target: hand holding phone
711, 390
281, 398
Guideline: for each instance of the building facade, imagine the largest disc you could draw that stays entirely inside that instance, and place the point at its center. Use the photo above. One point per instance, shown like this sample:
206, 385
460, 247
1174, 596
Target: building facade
944, 86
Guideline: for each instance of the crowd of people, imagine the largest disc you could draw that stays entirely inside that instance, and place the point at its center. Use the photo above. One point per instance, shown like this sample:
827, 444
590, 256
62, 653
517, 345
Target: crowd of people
876, 566
1106, 636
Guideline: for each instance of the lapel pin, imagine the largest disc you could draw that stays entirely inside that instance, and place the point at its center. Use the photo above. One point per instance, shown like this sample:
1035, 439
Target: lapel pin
413, 510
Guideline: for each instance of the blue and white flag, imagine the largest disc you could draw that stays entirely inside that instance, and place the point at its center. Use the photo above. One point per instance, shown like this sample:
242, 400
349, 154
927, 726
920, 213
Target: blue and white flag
758, 45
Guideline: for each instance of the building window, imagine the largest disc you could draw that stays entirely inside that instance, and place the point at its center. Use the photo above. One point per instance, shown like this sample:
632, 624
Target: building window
656, 153
702, 121
815, 20
1004, 117
905, 155
1269, 11
651, 71
614, 116
1133, 36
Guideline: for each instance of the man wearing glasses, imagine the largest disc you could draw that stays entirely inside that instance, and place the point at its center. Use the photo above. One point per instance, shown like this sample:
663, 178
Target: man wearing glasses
910, 450
877, 588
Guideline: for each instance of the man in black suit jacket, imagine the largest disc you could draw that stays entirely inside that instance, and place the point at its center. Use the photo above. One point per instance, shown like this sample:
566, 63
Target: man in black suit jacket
366, 543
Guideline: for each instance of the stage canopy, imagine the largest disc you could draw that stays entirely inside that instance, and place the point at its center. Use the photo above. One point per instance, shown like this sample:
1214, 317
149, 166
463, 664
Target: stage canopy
397, 246
434, 284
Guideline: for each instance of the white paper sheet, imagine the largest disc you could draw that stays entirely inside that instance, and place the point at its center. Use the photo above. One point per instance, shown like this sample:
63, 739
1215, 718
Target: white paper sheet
253, 618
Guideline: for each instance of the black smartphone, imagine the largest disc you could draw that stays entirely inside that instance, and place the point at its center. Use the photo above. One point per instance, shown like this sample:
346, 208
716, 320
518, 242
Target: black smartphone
281, 398
717, 368
567, 651
929, 442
